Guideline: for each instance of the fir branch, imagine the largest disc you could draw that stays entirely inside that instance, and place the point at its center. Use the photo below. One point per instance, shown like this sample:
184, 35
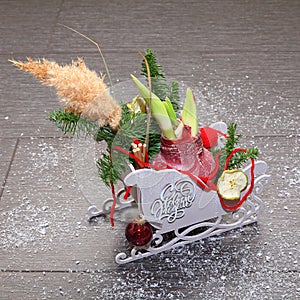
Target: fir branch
72, 123
107, 171
112, 164
110, 171
174, 95
107, 134
136, 128
126, 114
156, 70
158, 81
238, 158
232, 140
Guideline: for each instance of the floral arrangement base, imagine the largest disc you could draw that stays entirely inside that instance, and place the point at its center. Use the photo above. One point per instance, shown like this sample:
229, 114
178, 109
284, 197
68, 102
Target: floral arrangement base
180, 211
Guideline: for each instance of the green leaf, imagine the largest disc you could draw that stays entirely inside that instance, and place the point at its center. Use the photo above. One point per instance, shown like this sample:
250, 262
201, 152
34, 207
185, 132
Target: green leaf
158, 109
189, 112
170, 110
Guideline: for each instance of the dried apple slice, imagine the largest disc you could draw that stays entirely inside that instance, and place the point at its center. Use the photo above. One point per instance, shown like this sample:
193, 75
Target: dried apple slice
231, 184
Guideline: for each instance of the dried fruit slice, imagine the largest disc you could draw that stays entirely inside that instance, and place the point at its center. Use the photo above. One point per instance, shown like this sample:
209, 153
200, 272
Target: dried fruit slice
231, 184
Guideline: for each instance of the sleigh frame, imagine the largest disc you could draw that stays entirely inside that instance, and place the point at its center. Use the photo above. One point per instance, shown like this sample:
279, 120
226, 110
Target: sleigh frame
179, 210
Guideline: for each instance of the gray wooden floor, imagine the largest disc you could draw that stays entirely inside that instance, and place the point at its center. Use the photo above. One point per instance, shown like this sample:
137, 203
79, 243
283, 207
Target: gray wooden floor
242, 56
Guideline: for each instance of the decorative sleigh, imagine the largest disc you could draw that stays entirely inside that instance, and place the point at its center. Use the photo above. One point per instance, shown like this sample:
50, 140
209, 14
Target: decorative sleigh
177, 207
179, 210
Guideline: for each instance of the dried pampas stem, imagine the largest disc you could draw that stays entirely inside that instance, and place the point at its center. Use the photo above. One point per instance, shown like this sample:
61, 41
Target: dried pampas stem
150, 100
81, 90
98, 47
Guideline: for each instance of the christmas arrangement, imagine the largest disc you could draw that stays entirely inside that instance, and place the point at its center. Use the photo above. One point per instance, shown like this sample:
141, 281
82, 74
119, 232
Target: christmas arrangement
187, 182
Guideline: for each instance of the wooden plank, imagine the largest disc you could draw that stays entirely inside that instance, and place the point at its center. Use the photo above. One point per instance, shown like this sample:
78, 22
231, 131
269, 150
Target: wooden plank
203, 25
25, 104
258, 92
27, 26
177, 282
43, 212
222, 83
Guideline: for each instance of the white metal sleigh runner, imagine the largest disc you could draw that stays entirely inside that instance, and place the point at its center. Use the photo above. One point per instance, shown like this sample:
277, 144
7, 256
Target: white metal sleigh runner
180, 211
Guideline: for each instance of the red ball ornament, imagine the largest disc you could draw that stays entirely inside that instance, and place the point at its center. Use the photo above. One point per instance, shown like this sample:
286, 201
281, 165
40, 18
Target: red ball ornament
139, 232
209, 136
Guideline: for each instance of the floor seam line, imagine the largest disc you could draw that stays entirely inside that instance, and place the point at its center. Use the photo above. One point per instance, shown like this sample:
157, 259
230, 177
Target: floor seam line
9, 168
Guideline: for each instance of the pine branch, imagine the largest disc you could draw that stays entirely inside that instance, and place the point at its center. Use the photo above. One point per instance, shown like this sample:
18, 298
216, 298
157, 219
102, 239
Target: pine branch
107, 171
238, 158
174, 95
233, 139
158, 80
106, 134
71, 123
126, 114
156, 70
112, 164
136, 128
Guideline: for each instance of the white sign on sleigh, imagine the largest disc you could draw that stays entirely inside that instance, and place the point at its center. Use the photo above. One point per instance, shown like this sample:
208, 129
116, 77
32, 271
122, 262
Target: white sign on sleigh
171, 200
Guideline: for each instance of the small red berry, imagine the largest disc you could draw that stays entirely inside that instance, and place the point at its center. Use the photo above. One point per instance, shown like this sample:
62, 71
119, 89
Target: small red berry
139, 232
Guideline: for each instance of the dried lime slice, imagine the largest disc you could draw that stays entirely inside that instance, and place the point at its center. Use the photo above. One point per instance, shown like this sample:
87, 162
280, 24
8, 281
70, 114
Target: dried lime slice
231, 184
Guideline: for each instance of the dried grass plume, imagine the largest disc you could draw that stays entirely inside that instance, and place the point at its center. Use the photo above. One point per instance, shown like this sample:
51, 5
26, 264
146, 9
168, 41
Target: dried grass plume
80, 89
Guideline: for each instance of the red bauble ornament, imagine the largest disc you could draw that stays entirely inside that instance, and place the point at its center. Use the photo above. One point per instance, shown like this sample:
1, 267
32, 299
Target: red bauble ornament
209, 136
139, 232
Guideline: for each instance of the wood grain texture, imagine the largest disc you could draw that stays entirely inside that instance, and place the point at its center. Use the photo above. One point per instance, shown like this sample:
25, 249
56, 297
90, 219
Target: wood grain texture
204, 25
25, 103
146, 285
27, 26
241, 58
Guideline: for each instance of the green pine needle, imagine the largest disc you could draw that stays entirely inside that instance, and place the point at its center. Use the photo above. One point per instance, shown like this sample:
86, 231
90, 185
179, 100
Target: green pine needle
112, 164
233, 139
71, 123
158, 80
107, 171
156, 70
238, 158
174, 95
107, 134
136, 128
